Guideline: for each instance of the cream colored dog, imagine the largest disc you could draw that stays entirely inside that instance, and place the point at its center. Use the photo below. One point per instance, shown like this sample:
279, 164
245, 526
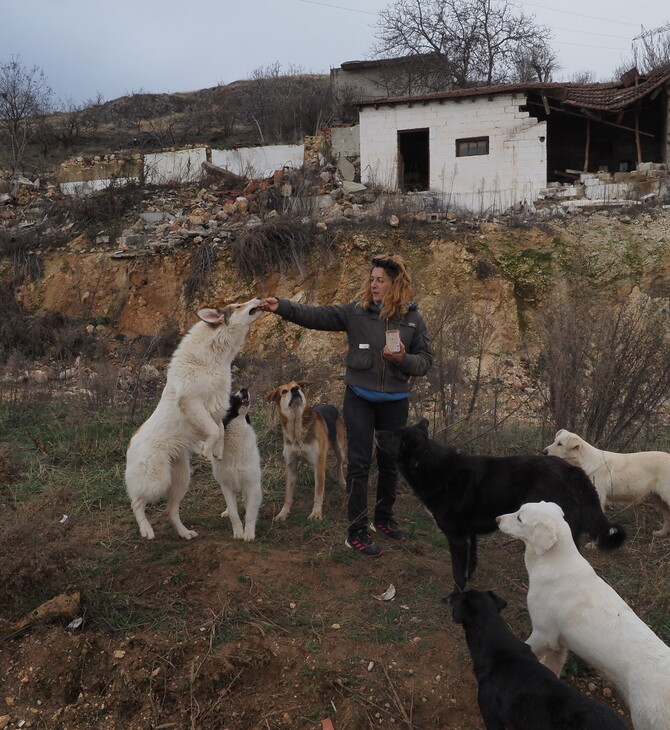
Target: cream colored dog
190, 412
571, 608
620, 478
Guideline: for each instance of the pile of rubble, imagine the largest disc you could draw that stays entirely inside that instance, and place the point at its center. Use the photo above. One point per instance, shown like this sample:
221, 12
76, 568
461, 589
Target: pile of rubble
179, 216
650, 181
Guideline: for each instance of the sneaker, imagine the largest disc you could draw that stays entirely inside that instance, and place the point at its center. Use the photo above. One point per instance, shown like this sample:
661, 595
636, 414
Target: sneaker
390, 529
362, 543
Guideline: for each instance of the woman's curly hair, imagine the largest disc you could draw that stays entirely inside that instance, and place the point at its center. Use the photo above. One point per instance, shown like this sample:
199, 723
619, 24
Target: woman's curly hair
400, 293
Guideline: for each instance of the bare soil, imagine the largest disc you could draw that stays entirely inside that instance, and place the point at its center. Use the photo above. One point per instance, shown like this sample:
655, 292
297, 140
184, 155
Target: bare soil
283, 632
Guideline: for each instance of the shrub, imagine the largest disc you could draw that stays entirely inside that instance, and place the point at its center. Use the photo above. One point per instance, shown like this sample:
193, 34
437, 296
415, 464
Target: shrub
607, 367
202, 264
277, 243
89, 213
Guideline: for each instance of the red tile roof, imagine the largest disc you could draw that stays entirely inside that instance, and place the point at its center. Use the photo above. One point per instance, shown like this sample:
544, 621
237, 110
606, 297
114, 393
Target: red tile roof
610, 96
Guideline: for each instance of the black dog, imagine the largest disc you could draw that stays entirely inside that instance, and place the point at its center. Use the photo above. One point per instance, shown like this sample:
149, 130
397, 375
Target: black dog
465, 493
514, 690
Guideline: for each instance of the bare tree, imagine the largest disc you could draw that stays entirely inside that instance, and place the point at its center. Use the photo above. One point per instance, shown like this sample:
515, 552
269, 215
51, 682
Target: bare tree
284, 106
477, 41
25, 96
533, 62
650, 50
607, 367
76, 120
583, 77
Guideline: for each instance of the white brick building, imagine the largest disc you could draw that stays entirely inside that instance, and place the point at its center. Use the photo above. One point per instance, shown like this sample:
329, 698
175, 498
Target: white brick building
487, 149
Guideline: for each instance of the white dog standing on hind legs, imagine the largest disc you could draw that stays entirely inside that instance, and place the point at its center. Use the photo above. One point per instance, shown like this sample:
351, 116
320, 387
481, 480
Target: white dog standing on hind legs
239, 472
190, 411
572, 608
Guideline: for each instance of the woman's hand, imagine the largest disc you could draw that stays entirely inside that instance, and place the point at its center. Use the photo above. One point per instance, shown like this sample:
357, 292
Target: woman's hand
269, 304
394, 356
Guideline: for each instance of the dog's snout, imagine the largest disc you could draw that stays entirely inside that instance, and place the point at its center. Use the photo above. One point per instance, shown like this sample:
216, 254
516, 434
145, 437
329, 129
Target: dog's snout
296, 395
498, 518
545, 452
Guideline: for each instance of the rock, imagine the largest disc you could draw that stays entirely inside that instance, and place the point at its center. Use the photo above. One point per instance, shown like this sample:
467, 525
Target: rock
352, 187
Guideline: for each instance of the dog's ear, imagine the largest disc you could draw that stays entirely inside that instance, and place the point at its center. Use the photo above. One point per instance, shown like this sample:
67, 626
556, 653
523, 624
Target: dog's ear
209, 315
543, 537
273, 395
423, 424
456, 602
572, 443
498, 601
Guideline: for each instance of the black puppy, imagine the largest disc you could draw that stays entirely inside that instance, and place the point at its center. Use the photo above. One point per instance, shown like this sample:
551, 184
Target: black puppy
465, 493
514, 690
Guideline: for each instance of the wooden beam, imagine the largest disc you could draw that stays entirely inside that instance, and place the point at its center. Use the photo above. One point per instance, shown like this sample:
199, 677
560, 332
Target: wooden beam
547, 108
591, 115
600, 121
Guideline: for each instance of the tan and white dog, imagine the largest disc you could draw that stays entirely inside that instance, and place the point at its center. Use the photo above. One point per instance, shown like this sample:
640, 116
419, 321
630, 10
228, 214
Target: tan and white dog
620, 478
190, 411
572, 608
308, 432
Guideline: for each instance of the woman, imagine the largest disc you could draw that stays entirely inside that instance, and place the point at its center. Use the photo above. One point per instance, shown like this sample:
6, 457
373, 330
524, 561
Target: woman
377, 380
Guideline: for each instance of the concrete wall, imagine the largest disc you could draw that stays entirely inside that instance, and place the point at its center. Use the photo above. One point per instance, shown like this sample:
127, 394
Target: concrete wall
346, 141
512, 172
178, 165
257, 161
86, 187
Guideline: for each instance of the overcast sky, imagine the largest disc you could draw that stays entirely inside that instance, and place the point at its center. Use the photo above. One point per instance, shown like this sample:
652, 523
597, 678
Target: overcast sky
118, 47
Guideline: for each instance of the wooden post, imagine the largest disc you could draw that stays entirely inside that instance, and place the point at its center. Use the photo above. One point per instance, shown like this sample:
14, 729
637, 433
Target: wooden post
587, 145
638, 143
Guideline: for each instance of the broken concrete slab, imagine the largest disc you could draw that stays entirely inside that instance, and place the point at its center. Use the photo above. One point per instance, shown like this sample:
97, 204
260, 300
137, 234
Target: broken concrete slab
352, 187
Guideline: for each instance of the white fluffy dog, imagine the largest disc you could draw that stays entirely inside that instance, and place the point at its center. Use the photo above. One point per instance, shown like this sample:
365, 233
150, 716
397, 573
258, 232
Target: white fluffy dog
571, 608
190, 411
620, 478
239, 472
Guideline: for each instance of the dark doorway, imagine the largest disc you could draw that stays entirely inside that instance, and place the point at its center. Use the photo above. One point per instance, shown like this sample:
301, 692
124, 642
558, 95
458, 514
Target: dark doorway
413, 160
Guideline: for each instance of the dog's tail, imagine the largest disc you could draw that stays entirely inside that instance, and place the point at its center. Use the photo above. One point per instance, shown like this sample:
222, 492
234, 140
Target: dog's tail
607, 534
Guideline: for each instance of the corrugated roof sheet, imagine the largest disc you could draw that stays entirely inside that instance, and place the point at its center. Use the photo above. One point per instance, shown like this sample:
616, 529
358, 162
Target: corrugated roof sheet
611, 96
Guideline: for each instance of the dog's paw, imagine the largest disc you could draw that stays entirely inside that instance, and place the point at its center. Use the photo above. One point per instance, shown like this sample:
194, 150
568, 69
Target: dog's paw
249, 536
315, 515
660, 533
147, 532
188, 534
281, 516
224, 513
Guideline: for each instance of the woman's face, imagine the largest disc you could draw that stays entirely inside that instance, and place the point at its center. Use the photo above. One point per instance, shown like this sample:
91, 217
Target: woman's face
380, 283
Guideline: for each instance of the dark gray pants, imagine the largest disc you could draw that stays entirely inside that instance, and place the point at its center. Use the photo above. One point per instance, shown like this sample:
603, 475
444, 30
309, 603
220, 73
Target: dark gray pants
362, 418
